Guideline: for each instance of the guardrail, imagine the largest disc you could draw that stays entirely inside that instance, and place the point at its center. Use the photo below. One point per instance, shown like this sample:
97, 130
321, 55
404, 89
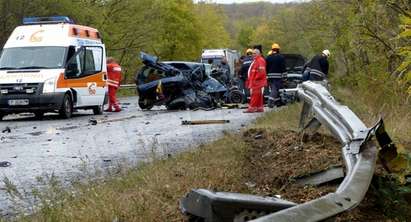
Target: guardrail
128, 86
358, 151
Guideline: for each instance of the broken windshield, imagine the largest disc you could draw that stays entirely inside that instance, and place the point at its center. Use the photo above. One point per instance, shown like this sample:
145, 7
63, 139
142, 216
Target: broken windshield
44, 57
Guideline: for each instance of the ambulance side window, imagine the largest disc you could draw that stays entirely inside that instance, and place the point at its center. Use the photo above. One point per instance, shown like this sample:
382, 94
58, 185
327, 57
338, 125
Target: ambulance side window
93, 60
87, 61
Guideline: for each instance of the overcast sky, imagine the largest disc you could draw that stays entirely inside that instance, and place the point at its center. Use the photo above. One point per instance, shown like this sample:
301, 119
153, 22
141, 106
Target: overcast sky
245, 1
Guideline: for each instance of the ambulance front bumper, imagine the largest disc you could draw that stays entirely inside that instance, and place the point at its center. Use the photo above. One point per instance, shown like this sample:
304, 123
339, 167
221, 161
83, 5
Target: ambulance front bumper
18, 103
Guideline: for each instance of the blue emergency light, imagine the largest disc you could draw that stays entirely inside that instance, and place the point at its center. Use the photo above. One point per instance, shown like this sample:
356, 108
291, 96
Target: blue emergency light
47, 20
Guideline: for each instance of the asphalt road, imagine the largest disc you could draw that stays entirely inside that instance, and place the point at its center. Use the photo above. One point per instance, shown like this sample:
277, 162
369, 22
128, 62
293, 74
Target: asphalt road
69, 149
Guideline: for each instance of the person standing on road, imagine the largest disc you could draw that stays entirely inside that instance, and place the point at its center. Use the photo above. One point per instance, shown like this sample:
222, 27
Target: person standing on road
275, 69
226, 71
317, 68
243, 73
257, 80
113, 82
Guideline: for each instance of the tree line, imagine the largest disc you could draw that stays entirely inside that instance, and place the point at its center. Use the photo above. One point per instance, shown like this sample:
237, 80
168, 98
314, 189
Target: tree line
369, 39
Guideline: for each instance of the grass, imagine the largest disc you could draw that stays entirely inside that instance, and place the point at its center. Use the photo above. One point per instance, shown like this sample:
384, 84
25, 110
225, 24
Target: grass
396, 115
123, 92
151, 191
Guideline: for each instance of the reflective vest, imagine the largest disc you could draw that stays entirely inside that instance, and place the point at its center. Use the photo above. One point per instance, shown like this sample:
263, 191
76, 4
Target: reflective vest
113, 74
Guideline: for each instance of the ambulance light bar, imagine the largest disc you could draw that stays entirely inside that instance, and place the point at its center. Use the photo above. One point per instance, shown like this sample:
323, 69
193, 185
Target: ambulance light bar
47, 20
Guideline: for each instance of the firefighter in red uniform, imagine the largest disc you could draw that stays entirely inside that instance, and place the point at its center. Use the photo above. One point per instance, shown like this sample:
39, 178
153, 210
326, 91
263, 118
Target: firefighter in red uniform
257, 79
113, 82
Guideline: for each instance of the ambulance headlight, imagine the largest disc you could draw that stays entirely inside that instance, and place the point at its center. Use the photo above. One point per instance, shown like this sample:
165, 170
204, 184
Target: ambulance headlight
48, 86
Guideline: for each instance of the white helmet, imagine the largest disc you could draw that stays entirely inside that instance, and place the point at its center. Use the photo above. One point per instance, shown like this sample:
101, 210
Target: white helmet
326, 52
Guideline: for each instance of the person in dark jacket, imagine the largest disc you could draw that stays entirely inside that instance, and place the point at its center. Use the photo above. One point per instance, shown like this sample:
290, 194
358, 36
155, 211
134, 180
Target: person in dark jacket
225, 69
317, 68
243, 73
275, 69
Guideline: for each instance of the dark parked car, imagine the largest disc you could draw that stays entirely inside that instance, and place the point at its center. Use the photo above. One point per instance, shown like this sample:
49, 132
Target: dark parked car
294, 64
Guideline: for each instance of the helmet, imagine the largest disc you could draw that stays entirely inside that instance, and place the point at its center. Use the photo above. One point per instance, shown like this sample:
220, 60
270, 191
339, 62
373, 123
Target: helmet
326, 52
275, 46
249, 51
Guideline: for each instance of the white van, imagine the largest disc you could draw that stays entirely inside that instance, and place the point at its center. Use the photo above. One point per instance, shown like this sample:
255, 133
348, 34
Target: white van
51, 64
216, 56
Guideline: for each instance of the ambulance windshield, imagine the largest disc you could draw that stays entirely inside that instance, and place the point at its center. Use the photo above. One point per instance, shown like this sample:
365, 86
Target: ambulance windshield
44, 57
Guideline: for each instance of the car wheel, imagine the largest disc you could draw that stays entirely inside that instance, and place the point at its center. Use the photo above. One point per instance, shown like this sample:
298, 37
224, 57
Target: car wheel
39, 115
66, 110
235, 96
98, 110
145, 104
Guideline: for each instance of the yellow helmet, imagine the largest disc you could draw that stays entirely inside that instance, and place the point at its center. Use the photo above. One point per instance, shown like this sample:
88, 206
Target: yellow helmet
249, 51
275, 46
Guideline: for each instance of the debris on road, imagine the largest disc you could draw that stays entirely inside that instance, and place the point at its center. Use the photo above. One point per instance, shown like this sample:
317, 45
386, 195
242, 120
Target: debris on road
234, 106
38, 133
93, 122
200, 122
6, 130
5, 164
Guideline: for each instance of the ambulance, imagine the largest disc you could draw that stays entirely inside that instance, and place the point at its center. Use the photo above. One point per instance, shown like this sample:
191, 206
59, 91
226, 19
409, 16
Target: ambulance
50, 64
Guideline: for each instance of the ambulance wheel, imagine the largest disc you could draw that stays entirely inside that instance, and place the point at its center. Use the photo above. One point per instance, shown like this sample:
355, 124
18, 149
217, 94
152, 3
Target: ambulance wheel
66, 110
98, 110
39, 115
145, 104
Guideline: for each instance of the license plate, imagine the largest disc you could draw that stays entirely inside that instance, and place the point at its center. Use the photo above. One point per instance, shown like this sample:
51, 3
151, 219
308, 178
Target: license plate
18, 102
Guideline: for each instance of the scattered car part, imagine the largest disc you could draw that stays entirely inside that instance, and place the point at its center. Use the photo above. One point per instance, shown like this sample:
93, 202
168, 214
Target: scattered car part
5, 164
6, 130
200, 122
224, 206
234, 106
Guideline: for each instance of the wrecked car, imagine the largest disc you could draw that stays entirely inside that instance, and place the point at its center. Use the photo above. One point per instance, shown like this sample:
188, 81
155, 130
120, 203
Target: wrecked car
179, 85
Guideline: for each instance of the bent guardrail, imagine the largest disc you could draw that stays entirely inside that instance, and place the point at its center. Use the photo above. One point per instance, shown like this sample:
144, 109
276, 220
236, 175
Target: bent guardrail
359, 154
358, 151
